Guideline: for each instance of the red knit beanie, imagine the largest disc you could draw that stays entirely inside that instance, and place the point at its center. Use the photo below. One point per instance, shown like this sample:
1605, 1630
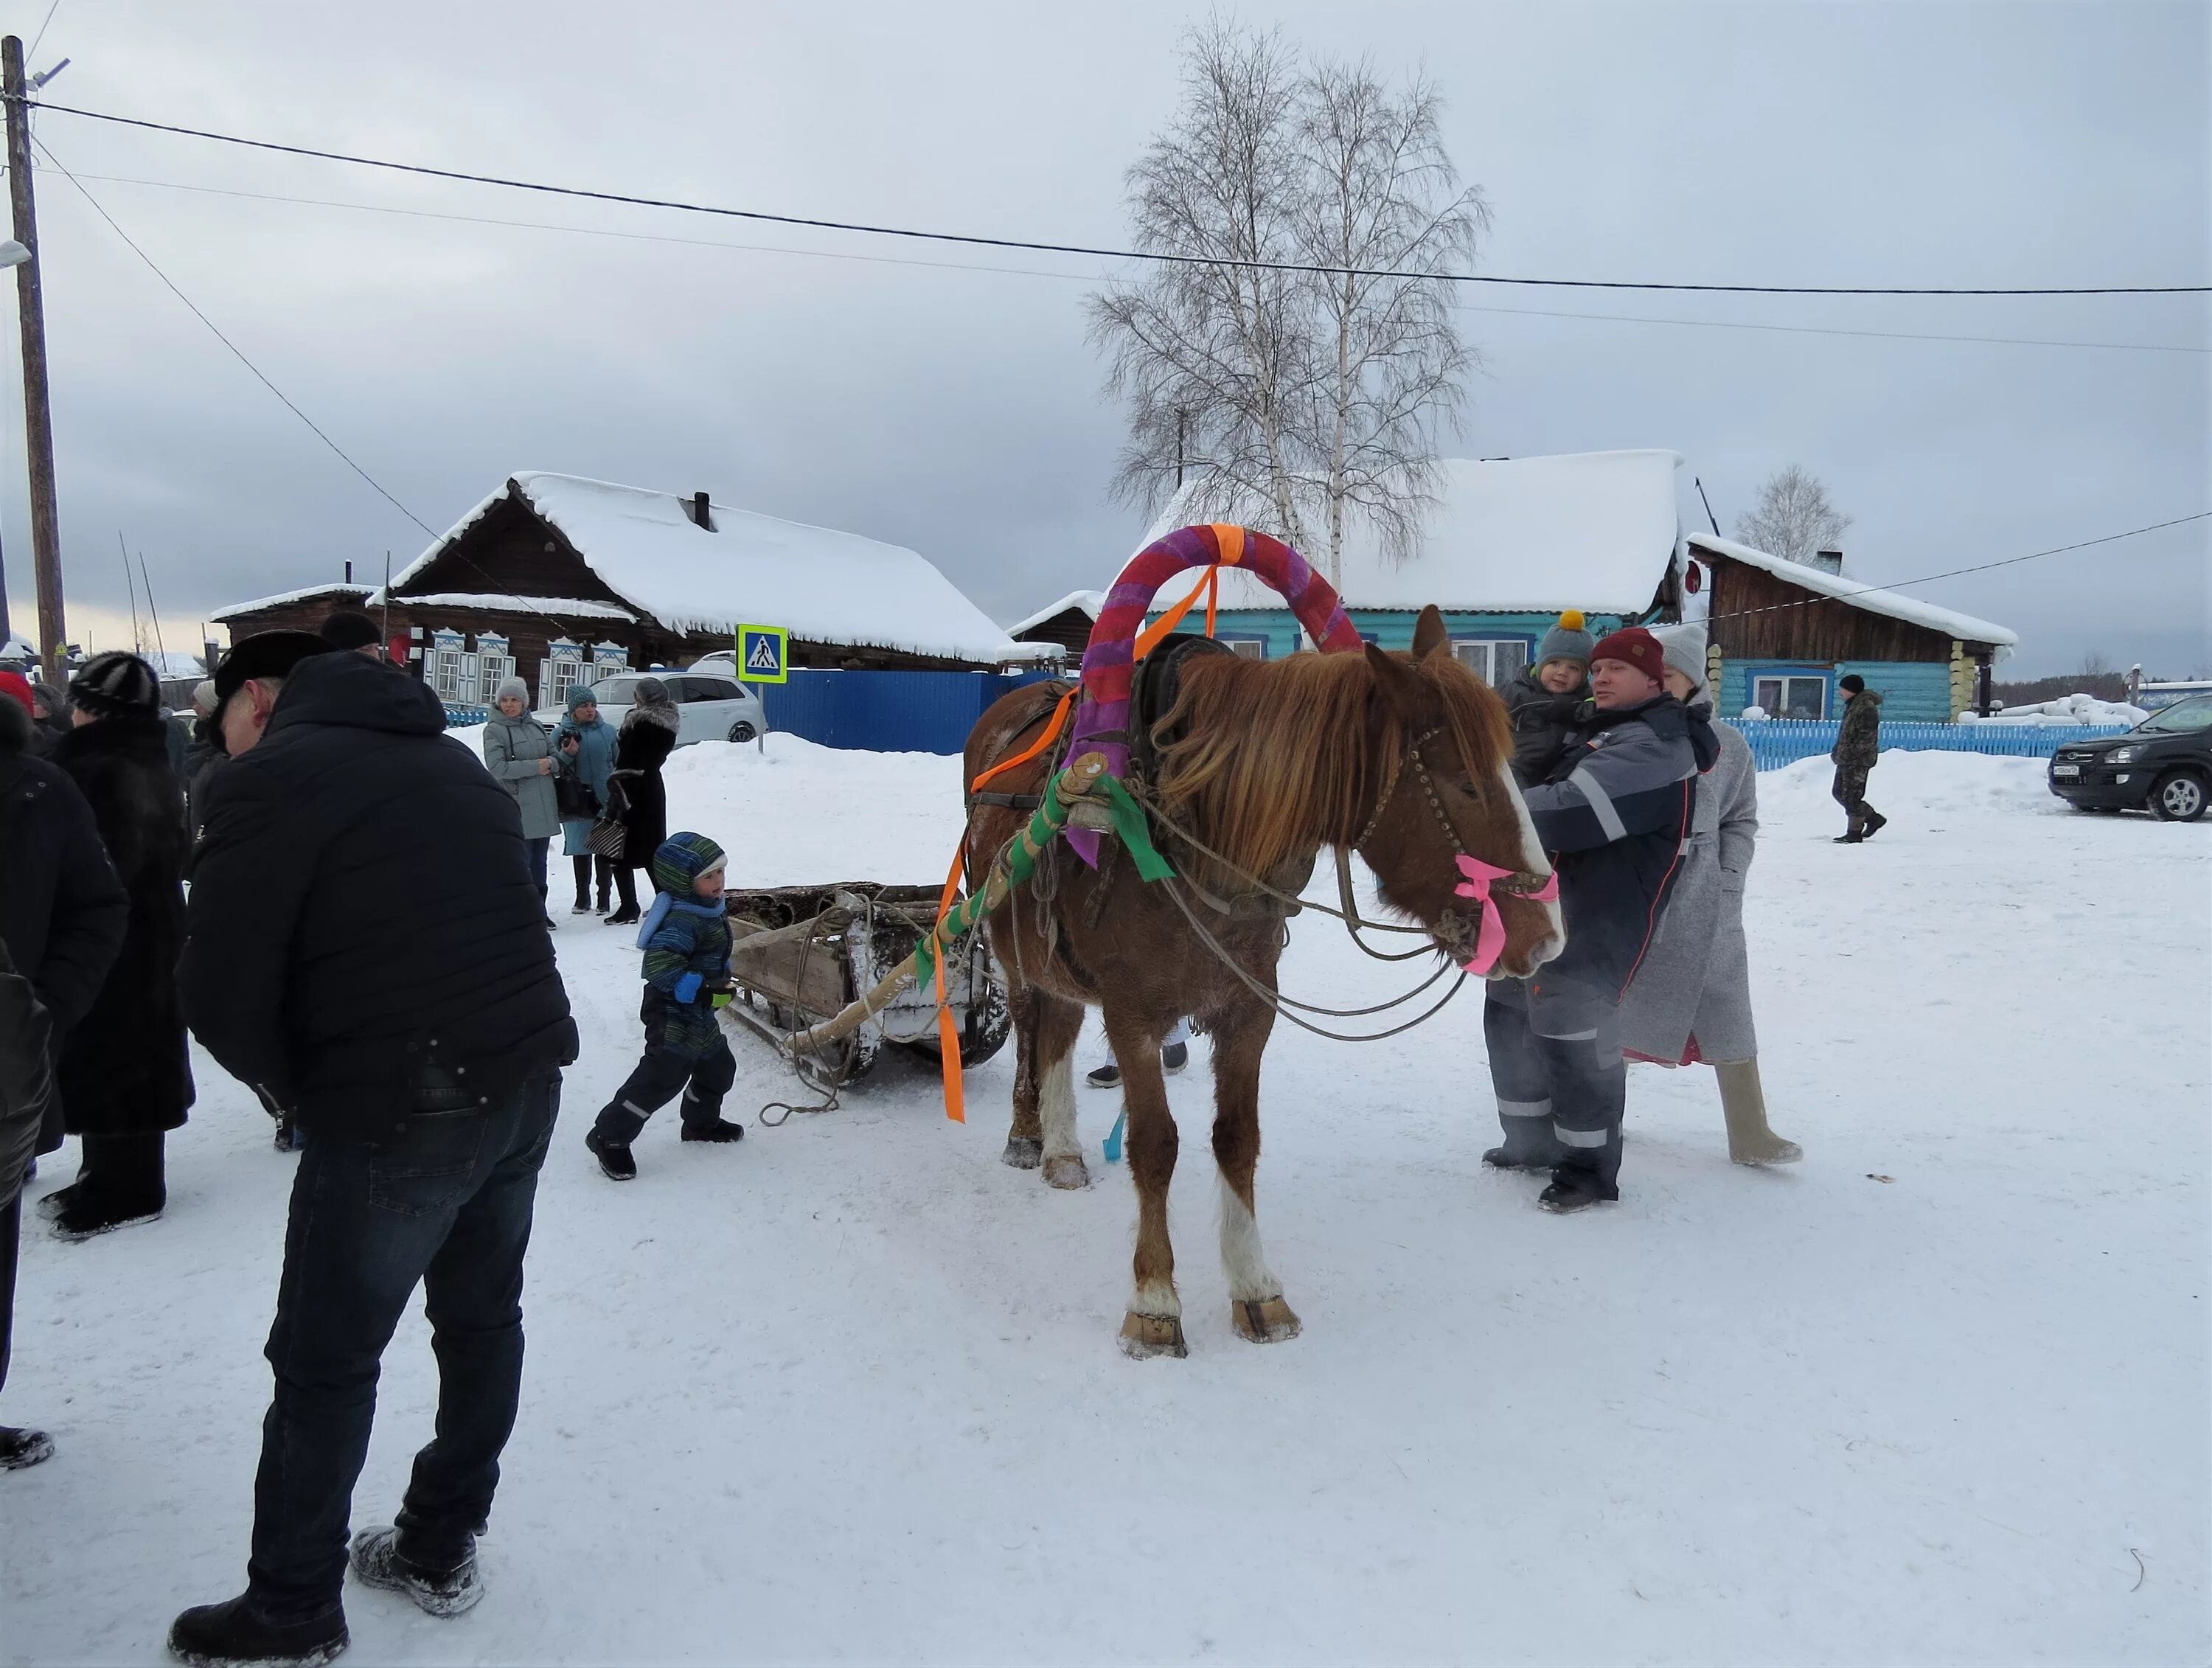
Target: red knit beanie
15, 683
1636, 646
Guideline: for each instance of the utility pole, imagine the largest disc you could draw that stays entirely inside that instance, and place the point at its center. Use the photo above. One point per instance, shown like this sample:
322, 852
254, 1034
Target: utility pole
38, 413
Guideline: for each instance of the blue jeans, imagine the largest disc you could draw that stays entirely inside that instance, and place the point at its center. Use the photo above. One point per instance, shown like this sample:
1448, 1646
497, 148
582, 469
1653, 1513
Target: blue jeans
447, 1206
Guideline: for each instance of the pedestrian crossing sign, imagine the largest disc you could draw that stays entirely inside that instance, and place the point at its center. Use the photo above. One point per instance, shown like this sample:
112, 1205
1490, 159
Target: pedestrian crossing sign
764, 655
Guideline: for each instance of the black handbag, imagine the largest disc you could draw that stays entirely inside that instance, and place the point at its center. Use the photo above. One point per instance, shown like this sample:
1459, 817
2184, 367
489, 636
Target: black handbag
573, 798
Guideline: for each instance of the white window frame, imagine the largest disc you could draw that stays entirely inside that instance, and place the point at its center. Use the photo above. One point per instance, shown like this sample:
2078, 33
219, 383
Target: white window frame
1780, 682
1480, 655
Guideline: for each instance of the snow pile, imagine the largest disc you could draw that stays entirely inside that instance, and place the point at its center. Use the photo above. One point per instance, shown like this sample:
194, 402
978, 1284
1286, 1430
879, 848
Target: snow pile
817, 583
1895, 603
2065, 709
1594, 530
849, 1391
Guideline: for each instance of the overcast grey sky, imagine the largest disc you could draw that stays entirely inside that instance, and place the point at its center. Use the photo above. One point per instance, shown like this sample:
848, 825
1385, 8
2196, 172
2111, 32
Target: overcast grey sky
959, 412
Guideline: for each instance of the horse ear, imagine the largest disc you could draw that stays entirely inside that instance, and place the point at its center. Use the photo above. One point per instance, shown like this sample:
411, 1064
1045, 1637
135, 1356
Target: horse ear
1400, 686
1429, 633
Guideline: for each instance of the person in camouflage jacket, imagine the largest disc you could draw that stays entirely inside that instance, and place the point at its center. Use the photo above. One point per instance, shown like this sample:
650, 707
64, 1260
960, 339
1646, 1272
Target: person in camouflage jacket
686, 939
1858, 745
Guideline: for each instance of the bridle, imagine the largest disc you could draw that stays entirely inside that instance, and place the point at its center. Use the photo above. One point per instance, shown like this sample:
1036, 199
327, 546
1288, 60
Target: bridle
1520, 883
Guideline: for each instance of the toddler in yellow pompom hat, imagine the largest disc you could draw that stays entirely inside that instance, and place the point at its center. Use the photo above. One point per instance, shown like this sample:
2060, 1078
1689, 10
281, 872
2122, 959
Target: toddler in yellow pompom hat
1544, 699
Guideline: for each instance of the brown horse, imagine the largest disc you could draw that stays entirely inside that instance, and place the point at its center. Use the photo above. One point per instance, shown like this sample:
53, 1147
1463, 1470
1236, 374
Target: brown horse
1402, 757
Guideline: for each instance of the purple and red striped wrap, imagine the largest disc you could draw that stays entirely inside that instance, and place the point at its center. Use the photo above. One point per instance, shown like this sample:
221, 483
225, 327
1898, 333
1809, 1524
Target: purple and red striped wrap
1110, 657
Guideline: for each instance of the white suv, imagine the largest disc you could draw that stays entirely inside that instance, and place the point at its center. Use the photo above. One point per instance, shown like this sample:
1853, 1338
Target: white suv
712, 707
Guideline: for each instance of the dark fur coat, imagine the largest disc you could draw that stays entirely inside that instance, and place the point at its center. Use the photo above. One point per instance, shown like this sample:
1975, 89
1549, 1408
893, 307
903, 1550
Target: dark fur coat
124, 1069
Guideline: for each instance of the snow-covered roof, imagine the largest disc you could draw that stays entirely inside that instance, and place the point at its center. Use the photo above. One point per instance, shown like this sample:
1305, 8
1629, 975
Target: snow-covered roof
1591, 530
1092, 603
1913, 610
817, 583
307, 594
558, 608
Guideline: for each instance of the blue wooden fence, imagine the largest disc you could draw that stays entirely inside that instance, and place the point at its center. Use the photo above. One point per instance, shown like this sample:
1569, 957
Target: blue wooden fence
887, 712
1778, 741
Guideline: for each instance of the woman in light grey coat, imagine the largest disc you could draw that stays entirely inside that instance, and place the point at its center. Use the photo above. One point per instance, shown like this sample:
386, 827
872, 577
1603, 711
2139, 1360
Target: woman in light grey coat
520, 755
1690, 1003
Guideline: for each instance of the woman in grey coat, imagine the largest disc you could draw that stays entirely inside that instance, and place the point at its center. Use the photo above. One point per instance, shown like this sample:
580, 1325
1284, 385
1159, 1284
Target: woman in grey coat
520, 756
1690, 1002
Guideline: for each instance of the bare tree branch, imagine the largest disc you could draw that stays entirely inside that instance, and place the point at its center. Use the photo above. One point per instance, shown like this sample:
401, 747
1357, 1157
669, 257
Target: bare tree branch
1794, 518
1291, 398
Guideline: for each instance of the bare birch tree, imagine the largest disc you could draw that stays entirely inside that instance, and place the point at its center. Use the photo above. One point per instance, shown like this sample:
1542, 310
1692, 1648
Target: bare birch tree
1212, 357
1381, 196
1291, 395
1794, 518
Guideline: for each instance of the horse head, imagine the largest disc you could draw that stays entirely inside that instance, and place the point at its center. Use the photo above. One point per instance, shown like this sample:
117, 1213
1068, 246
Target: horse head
1443, 790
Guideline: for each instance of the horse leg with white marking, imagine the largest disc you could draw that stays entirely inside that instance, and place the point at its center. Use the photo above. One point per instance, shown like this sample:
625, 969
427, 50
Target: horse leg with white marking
1153, 1325
1058, 1023
1255, 1296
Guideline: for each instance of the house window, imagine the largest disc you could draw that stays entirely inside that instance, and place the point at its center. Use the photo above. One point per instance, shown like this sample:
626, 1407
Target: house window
1493, 659
494, 666
1790, 695
448, 676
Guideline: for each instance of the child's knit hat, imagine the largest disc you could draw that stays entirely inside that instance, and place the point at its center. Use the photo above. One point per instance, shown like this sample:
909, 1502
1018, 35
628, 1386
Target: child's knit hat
1569, 640
682, 859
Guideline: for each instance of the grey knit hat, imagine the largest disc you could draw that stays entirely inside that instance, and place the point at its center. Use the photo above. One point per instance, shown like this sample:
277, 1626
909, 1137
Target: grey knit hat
1684, 647
1569, 640
116, 684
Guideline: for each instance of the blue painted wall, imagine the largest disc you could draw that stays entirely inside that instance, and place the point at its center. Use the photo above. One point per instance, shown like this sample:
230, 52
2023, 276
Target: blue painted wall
887, 712
1916, 691
1389, 628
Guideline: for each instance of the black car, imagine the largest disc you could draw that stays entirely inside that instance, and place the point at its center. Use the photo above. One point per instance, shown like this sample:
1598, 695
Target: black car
2163, 764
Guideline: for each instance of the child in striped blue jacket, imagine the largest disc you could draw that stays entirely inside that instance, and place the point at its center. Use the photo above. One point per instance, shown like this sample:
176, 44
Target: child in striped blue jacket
686, 939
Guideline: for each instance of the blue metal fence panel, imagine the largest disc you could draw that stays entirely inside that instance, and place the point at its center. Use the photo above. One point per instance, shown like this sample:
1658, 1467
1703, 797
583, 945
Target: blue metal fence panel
887, 712
1778, 741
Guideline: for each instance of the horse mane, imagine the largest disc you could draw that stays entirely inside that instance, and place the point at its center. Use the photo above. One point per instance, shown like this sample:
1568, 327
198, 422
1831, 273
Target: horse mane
1275, 757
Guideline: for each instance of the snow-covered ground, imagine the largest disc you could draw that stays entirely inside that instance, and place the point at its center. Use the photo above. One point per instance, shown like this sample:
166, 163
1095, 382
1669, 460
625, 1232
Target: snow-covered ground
850, 1391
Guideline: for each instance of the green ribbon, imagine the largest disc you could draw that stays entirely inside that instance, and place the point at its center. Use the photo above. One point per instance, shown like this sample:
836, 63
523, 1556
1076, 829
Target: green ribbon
1130, 827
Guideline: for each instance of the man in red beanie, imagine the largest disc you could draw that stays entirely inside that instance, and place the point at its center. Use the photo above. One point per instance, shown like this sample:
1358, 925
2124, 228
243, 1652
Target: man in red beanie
1613, 813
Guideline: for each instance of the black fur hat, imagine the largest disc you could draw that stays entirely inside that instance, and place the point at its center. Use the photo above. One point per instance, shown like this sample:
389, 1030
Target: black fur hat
115, 685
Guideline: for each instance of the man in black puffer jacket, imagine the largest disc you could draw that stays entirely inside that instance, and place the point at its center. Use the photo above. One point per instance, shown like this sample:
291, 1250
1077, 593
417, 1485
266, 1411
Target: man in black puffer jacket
1613, 816
368, 949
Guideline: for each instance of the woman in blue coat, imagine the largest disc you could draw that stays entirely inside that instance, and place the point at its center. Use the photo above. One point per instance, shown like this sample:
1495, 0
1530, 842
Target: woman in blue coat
583, 743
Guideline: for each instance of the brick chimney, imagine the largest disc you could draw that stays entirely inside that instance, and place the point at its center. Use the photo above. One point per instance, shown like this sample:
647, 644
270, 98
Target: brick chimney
1829, 561
701, 512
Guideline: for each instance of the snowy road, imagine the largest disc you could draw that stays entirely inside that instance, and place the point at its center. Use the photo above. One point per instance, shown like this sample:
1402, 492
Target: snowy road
850, 1391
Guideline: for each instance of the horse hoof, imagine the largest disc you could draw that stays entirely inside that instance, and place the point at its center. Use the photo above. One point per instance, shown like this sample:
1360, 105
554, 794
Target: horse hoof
1144, 1337
1022, 1154
1264, 1320
1066, 1170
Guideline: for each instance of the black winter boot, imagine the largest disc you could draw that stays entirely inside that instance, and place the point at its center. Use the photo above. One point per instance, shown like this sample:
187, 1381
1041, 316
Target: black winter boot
378, 1563
233, 1635
720, 1129
1575, 1189
616, 1163
1499, 1157
19, 1449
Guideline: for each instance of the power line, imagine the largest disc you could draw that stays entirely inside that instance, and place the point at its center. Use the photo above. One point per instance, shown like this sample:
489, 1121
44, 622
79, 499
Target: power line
1979, 568
33, 50
1083, 249
239, 353
1078, 277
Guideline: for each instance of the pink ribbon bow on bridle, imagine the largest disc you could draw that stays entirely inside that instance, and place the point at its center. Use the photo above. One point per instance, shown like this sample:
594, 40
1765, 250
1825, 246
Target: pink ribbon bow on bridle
1490, 929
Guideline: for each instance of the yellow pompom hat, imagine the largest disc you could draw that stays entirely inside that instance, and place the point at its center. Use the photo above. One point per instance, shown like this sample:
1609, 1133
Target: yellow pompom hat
1570, 640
